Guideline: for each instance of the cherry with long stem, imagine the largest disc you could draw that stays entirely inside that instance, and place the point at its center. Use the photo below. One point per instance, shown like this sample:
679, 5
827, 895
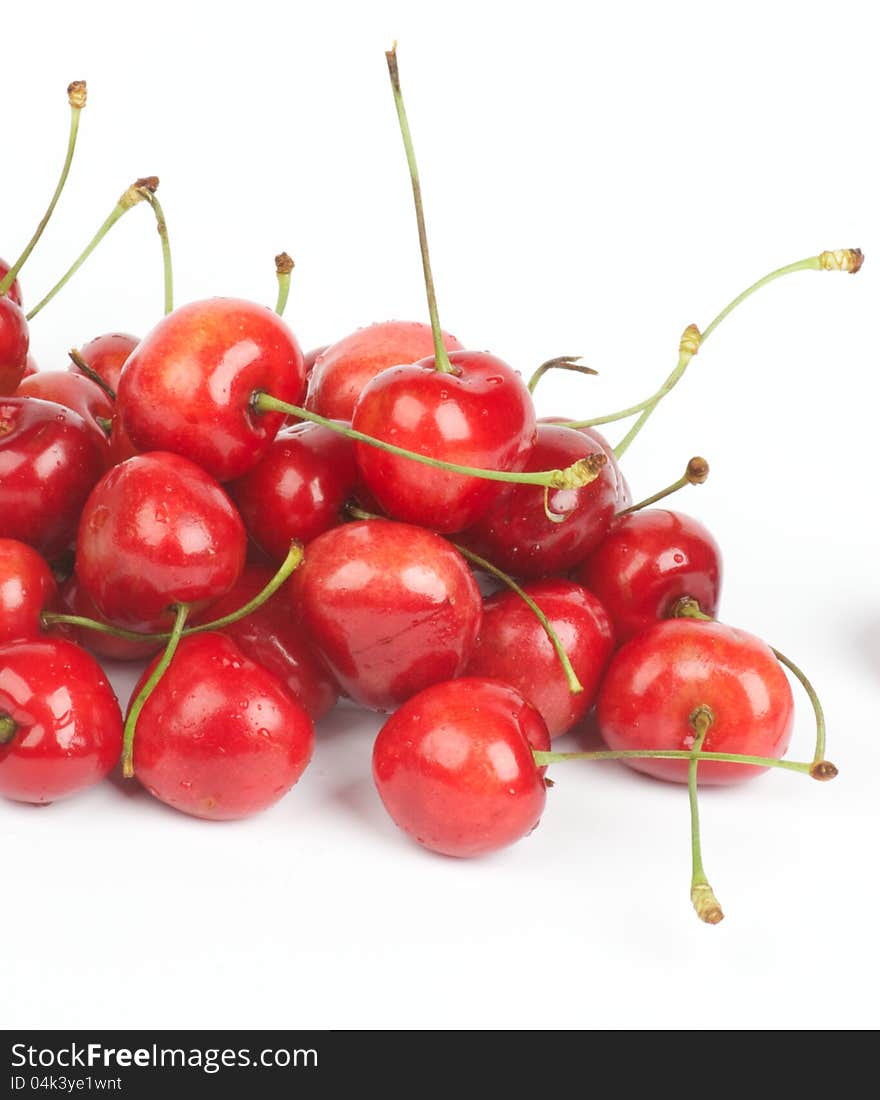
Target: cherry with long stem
283, 267
83, 367
560, 362
76, 97
845, 259
696, 472
702, 895
162, 229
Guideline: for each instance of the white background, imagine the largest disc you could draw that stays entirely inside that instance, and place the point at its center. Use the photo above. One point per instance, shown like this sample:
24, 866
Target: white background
596, 177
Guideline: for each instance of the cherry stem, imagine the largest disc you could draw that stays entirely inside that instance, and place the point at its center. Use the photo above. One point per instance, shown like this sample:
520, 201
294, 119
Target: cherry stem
561, 362
133, 195
542, 759
76, 95
283, 268
696, 472
820, 768
576, 476
702, 895
134, 711
8, 728
846, 259
91, 373
287, 567
441, 357
162, 230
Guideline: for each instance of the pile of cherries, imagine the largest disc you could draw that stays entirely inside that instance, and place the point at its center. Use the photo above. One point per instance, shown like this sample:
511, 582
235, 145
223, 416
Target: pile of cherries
268, 531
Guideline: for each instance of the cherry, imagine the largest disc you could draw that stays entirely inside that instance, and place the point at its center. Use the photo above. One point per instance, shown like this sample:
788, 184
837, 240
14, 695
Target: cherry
60, 725
27, 589
188, 387
156, 531
73, 391
14, 291
517, 533
310, 357
106, 356
76, 601
270, 637
14, 342
647, 562
455, 770
220, 737
50, 459
297, 489
624, 493
391, 607
31, 368
660, 679
342, 370
121, 447
513, 646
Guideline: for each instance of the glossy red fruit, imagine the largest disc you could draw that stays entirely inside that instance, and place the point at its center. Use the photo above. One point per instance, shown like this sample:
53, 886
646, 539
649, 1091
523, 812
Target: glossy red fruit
514, 647
515, 533
14, 291
298, 488
220, 737
482, 416
76, 601
121, 447
270, 637
14, 340
106, 355
659, 678
31, 368
60, 725
50, 459
157, 531
189, 385
73, 391
624, 495
392, 608
647, 562
27, 589
455, 770
343, 369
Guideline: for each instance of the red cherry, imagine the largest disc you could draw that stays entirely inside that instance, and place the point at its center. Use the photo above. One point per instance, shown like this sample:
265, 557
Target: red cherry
514, 647
392, 608
270, 637
14, 342
188, 387
220, 737
121, 447
106, 355
60, 725
31, 368
14, 291
480, 416
297, 489
624, 495
342, 370
659, 678
50, 459
73, 391
76, 601
27, 589
516, 535
311, 357
455, 770
157, 531
647, 562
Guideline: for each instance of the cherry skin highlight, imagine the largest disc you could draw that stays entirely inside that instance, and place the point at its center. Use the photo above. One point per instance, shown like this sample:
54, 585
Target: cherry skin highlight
392, 608
220, 737
270, 637
14, 341
514, 647
73, 391
63, 727
50, 459
106, 355
298, 488
454, 767
515, 533
189, 385
342, 370
480, 416
659, 678
646, 563
157, 531
27, 589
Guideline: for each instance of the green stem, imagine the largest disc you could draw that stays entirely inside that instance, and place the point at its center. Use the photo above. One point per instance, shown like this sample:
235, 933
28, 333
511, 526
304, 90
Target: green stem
542, 759
76, 94
83, 367
287, 567
283, 268
8, 729
133, 195
134, 711
703, 897
441, 357
696, 472
162, 229
561, 362
576, 476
